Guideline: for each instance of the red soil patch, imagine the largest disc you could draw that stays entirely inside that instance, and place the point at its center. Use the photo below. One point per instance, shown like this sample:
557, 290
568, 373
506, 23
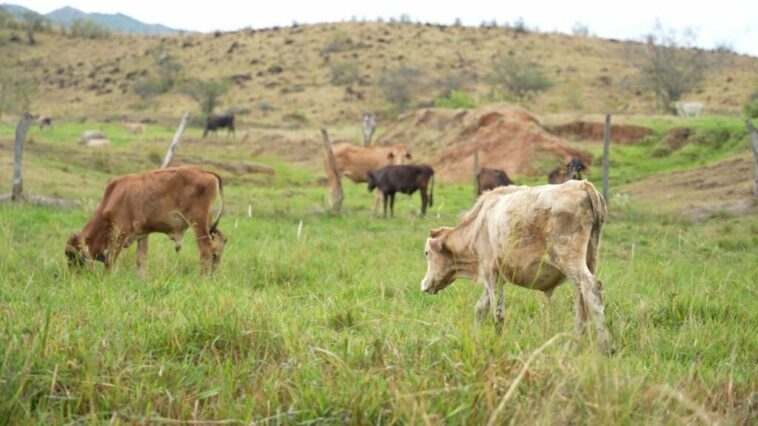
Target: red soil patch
624, 134
507, 137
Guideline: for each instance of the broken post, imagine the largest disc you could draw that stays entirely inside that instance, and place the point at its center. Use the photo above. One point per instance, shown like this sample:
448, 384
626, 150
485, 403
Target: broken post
17, 190
175, 141
606, 154
369, 125
333, 175
754, 143
476, 172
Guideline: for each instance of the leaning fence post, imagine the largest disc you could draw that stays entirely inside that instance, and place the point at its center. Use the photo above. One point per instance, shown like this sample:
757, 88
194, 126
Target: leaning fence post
754, 143
606, 155
333, 175
476, 172
175, 141
17, 188
369, 125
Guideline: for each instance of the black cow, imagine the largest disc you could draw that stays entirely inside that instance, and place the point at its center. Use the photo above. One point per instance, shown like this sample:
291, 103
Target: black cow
572, 170
405, 178
220, 121
489, 178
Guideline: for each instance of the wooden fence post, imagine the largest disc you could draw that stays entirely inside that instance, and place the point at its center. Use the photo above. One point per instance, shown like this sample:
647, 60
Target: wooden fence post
333, 175
17, 189
476, 172
369, 125
606, 155
754, 142
175, 141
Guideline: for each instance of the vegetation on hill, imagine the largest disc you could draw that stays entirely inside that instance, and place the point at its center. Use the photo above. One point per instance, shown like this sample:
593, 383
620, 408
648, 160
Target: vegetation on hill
332, 73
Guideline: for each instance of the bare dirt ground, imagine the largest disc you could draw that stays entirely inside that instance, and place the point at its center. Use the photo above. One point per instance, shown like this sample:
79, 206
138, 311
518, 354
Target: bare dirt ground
506, 137
726, 186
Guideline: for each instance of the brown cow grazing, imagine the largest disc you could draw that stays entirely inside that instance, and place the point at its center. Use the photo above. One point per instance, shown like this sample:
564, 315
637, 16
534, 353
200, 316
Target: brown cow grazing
488, 179
572, 170
405, 178
167, 201
532, 237
355, 162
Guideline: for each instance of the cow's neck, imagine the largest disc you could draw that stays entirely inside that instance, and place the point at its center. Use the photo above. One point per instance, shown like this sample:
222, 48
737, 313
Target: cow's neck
96, 235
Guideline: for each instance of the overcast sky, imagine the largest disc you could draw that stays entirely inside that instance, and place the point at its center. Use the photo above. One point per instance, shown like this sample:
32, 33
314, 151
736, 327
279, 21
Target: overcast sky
730, 22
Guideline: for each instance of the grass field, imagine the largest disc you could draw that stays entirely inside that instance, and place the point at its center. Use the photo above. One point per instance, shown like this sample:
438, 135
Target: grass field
330, 326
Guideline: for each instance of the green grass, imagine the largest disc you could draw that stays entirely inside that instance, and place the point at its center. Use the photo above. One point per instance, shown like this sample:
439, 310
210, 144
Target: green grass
331, 327
715, 138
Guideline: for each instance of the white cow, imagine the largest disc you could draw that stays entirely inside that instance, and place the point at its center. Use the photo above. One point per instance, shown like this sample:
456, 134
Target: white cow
688, 109
532, 237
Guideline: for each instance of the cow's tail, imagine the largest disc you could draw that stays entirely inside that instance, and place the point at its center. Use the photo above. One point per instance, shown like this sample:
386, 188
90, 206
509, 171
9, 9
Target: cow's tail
220, 187
431, 191
599, 213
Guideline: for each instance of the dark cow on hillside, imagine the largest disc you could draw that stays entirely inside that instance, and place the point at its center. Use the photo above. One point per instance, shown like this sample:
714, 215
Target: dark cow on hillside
405, 178
216, 122
572, 170
45, 121
488, 179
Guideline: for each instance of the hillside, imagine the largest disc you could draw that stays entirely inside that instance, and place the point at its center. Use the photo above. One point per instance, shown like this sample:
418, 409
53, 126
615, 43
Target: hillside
284, 76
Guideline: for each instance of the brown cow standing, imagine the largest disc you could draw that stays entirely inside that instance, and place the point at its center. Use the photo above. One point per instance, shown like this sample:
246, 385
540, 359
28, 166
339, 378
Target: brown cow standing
167, 201
571, 171
356, 162
488, 179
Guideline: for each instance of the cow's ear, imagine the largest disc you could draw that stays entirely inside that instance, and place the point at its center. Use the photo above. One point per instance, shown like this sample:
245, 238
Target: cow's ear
436, 232
391, 155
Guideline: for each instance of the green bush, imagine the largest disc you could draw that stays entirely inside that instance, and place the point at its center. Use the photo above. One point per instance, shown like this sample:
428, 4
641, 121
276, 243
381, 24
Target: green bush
87, 28
751, 107
455, 100
345, 73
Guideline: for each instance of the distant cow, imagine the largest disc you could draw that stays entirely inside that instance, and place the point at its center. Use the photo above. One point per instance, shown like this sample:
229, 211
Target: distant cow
489, 178
406, 178
45, 121
216, 122
532, 237
688, 109
134, 128
355, 162
571, 171
167, 201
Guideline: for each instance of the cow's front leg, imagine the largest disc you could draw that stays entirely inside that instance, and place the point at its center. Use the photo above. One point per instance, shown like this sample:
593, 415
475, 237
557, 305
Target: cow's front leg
496, 298
117, 243
483, 306
141, 256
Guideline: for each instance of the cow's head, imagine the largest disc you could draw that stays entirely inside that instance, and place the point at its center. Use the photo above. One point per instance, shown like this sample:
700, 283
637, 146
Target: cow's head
574, 169
74, 252
372, 181
441, 266
399, 155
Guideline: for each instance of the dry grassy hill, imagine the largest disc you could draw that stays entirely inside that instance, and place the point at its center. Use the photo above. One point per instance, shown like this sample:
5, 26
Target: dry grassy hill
284, 76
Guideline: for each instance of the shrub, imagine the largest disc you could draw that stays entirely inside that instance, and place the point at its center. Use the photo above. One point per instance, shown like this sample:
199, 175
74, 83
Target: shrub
455, 100
401, 85
148, 88
519, 78
87, 28
345, 73
751, 106
206, 93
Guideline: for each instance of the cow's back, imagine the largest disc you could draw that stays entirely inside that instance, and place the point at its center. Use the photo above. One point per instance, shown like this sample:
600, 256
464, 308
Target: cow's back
355, 162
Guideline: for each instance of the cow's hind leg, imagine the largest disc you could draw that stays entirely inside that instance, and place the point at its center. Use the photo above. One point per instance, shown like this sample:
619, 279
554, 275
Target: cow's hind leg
424, 201
141, 255
589, 303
